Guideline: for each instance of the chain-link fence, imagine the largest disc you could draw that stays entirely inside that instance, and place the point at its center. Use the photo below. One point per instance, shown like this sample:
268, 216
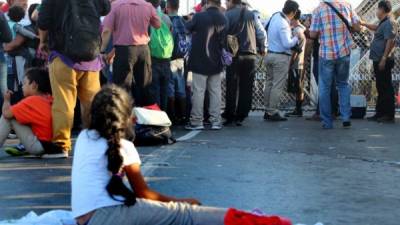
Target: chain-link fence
361, 78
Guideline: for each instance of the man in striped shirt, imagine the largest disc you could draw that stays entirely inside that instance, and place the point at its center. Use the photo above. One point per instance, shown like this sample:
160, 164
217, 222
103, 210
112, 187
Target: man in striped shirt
336, 42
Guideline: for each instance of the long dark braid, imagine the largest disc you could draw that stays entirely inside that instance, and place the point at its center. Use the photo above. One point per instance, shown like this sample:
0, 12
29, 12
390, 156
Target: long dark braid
111, 117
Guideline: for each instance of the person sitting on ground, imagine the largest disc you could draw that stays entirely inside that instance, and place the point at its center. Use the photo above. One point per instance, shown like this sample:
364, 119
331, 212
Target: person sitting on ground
31, 117
104, 155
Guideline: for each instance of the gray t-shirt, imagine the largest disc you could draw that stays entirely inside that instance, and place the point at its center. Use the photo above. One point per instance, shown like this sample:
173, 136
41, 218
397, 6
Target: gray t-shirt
386, 30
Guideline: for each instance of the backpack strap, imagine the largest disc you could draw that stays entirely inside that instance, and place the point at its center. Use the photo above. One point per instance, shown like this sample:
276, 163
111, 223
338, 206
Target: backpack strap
345, 21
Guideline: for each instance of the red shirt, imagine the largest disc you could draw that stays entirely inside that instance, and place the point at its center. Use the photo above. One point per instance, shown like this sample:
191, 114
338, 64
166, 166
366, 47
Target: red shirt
35, 111
129, 22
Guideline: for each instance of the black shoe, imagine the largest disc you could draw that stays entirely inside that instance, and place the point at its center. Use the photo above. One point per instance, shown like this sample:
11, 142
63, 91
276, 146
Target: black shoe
347, 124
295, 113
228, 123
386, 119
55, 152
239, 122
277, 118
266, 116
373, 118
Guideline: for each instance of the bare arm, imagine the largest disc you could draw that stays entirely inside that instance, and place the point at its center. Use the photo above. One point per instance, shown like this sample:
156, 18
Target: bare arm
314, 35
14, 44
372, 27
142, 190
7, 113
105, 37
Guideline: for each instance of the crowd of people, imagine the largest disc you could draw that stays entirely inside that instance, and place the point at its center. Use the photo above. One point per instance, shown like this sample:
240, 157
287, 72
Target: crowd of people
179, 62
58, 54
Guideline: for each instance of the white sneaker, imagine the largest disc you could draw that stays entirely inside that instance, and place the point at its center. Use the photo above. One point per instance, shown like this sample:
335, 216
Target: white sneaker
216, 127
12, 136
194, 127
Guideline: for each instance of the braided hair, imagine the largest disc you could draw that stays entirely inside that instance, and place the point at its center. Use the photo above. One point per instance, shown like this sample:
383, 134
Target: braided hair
111, 117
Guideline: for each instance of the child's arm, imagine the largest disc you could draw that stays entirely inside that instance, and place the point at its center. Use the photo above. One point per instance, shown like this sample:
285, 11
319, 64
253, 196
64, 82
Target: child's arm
14, 44
7, 113
141, 189
25, 32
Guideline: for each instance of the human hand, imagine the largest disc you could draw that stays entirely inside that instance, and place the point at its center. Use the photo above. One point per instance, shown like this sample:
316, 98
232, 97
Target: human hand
7, 96
191, 201
382, 64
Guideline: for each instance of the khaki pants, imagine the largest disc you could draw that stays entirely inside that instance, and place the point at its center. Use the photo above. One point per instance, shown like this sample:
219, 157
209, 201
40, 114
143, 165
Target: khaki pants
158, 213
212, 85
277, 66
67, 84
24, 133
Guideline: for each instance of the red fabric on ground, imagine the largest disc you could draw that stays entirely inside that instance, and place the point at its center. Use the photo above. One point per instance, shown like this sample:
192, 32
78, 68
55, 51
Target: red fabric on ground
236, 217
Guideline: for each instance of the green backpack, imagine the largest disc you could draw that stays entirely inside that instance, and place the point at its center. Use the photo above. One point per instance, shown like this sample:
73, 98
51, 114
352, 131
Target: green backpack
161, 41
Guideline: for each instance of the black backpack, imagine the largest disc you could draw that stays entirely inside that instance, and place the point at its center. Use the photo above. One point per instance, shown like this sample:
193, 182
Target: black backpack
81, 30
146, 135
181, 42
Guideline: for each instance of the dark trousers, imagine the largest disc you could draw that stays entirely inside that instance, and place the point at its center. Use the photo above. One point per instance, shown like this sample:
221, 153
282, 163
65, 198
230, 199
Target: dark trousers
161, 77
239, 87
386, 100
132, 70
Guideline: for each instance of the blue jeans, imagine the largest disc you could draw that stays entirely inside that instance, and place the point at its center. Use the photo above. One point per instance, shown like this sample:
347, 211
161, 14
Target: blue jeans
177, 83
338, 71
3, 78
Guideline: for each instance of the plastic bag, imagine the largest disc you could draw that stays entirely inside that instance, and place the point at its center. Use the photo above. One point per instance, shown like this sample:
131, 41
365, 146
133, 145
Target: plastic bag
56, 217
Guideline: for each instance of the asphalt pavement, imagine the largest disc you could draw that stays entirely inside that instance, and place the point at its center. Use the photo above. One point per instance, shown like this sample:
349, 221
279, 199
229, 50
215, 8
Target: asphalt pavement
294, 169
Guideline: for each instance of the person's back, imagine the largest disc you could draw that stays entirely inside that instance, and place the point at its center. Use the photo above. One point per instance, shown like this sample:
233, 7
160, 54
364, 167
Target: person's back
132, 19
334, 37
205, 55
51, 17
331, 23
245, 29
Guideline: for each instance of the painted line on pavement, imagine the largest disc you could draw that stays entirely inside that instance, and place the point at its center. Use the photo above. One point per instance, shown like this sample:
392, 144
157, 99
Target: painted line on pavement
189, 136
160, 157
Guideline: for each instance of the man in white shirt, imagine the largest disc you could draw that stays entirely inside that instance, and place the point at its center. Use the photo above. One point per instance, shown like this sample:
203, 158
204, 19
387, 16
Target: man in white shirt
280, 43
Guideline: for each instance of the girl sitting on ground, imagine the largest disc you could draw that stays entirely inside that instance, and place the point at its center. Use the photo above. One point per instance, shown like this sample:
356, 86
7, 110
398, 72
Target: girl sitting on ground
104, 155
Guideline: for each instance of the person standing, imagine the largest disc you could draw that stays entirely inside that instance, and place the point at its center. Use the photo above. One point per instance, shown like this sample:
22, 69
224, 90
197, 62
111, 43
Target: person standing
132, 63
296, 72
334, 65
240, 75
208, 31
381, 53
5, 37
177, 85
70, 78
280, 43
161, 48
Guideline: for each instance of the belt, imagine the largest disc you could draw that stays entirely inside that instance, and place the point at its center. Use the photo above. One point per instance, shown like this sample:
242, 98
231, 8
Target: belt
279, 53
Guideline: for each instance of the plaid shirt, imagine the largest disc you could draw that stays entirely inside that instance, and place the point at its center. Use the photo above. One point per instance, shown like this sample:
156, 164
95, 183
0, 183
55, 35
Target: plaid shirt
334, 37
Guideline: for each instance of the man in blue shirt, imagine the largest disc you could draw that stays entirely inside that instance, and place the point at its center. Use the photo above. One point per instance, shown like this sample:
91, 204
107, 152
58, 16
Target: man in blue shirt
280, 42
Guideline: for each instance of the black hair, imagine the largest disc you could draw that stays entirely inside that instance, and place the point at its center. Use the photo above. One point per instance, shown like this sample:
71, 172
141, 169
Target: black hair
237, 2
163, 4
290, 7
155, 3
41, 77
298, 15
111, 112
385, 5
173, 4
31, 10
216, 2
16, 13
